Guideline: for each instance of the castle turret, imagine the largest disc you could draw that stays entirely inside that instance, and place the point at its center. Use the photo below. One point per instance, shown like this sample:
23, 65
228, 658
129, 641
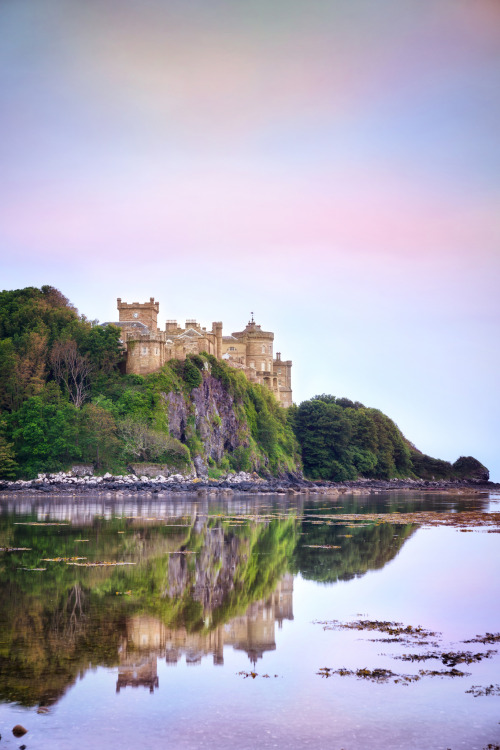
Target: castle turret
146, 312
259, 347
217, 331
282, 379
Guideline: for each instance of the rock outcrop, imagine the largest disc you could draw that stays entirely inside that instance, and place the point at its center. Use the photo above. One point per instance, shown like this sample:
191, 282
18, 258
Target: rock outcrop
210, 414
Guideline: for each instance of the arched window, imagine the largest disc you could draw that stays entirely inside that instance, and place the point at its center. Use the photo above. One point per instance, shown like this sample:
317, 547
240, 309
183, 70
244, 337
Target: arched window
262, 366
263, 348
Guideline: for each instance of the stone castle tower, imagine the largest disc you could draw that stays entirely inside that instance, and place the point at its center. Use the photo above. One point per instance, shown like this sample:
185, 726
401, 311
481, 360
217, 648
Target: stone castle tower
148, 348
252, 350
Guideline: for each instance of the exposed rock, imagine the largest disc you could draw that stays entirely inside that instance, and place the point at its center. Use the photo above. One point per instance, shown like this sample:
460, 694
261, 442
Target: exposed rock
177, 415
216, 420
19, 730
150, 471
81, 470
214, 415
201, 467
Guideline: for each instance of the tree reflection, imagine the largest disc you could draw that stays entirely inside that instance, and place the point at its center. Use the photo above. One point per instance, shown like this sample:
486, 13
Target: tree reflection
198, 583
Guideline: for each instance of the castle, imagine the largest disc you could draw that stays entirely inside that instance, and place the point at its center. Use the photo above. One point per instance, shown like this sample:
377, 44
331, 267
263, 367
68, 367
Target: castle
251, 350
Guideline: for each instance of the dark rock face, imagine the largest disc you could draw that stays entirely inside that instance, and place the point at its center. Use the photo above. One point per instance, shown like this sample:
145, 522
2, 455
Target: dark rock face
214, 416
215, 419
177, 415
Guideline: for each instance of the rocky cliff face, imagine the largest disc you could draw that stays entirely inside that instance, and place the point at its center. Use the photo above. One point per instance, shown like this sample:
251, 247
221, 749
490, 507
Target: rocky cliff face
211, 414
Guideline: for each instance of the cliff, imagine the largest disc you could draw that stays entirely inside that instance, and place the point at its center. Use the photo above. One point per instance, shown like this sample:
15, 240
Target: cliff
225, 421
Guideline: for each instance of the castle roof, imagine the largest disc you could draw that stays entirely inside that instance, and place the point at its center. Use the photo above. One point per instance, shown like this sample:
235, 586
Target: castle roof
134, 324
189, 332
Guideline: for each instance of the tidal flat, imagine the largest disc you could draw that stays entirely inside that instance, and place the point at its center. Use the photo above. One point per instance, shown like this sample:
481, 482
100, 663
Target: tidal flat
250, 621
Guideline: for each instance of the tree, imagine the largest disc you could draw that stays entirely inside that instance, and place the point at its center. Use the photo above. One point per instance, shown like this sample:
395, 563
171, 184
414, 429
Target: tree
8, 465
143, 442
97, 436
103, 347
44, 434
72, 369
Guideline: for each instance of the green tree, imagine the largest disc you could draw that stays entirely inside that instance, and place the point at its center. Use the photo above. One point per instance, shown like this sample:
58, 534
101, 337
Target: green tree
45, 434
97, 436
8, 465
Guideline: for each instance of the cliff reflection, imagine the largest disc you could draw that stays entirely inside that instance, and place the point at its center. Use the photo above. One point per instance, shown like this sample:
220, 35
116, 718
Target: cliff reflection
190, 589
201, 577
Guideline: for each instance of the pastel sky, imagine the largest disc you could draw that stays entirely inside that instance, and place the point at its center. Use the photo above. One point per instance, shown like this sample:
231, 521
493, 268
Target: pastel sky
333, 166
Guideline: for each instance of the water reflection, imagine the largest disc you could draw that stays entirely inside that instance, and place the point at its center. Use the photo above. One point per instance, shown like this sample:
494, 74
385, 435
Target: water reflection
202, 576
147, 639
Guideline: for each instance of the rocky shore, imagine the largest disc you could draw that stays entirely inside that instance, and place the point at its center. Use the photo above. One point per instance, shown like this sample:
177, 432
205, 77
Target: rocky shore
71, 483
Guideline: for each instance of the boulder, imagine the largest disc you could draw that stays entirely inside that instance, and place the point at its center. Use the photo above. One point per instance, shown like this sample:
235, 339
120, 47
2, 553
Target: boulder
81, 470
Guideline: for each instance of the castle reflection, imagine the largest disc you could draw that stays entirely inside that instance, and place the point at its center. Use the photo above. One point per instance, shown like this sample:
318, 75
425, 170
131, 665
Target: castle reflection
147, 639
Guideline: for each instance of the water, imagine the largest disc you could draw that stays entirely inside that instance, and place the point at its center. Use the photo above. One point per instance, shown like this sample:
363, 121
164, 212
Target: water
214, 635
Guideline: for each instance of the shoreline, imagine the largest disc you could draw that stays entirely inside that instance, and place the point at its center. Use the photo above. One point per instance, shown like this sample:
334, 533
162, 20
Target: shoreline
236, 484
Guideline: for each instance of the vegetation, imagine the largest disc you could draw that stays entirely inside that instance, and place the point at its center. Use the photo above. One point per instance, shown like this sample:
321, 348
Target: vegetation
342, 440
465, 467
64, 399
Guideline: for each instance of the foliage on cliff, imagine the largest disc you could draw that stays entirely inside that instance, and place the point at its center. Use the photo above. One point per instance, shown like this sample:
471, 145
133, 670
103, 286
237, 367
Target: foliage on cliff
343, 440
63, 399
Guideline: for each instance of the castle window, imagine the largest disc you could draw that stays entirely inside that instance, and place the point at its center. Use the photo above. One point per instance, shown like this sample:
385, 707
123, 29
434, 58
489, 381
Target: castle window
144, 350
232, 348
263, 349
262, 365
279, 372
270, 348
252, 364
157, 351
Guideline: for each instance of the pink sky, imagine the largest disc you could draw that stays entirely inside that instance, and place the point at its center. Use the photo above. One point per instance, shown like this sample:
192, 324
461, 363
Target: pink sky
333, 166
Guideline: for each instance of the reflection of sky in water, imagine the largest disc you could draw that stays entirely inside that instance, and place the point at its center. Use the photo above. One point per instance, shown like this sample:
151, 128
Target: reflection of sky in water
441, 579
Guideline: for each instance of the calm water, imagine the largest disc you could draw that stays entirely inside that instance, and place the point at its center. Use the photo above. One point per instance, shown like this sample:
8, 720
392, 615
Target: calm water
155, 653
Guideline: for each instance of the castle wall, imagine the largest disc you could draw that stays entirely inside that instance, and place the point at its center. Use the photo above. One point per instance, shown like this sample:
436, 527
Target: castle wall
145, 354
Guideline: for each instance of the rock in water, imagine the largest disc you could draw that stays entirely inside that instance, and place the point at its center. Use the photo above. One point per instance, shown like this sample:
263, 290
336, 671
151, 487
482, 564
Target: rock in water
19, 730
